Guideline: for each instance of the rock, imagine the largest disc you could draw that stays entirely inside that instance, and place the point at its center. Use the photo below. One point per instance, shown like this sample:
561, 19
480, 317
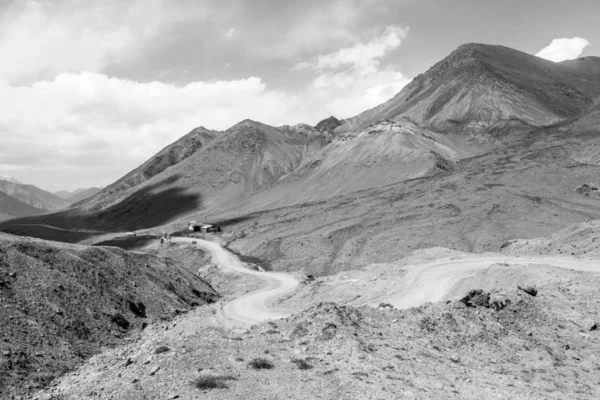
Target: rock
588, 324
498, 301
530, 290
154, 370
385, 305
476, 298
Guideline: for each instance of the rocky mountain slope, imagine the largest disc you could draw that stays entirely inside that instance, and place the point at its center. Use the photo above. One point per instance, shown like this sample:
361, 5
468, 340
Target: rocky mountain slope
385, 153
33, 196
525, 190
63, 303
541, 346
494, 89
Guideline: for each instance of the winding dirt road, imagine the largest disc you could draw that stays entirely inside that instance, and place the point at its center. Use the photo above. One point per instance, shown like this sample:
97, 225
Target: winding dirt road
431, 282
253, 307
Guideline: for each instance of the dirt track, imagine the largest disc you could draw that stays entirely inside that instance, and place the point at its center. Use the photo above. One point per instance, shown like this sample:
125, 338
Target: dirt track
431, 282
253, 307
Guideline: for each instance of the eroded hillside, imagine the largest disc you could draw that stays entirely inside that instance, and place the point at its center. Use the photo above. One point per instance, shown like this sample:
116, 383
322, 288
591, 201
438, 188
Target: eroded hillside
63, 303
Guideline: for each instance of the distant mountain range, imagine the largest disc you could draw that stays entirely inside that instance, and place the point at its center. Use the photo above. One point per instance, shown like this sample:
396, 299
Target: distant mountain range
478, 100
11, 208
22, 200
77, 195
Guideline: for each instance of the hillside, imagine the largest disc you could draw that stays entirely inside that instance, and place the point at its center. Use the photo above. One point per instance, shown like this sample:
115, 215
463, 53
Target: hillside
533, 347
525, 190
33, 196
385, 153
67, 302
490, 89
171, 155
14, 208
83, 195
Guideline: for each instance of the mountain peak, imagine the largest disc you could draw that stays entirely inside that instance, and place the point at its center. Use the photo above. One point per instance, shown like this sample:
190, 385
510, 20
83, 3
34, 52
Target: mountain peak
328, 124
481, 88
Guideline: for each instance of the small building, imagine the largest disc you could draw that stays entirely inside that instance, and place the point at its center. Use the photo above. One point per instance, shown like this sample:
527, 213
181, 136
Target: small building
204, 228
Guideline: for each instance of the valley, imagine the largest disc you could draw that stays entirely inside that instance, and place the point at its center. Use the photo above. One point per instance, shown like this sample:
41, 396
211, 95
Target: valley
443, 244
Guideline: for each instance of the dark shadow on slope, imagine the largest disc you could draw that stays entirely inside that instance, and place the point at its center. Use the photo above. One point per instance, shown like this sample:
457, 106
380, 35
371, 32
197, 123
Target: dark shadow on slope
150, 206
129, 242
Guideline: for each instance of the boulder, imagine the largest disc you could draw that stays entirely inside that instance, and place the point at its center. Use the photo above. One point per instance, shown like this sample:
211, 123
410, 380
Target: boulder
498, 301
530, 290
589, 324
476, 298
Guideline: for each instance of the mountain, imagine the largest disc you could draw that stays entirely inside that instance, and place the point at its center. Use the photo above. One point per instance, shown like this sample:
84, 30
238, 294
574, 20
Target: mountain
78, 194
33, 196
11, 207
328, 124
65, 194
588, 67
385, 153
429, 132
490, 89
167, 157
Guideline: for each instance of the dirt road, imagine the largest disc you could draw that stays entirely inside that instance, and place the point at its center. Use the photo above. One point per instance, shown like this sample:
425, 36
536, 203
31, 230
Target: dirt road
253, 307
431, 282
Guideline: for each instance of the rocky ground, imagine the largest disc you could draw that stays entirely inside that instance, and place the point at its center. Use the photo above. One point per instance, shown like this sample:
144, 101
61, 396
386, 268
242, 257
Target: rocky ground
60, 304
496, 343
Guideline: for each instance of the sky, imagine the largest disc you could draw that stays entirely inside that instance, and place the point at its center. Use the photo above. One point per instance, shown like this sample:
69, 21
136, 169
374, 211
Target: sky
90, 89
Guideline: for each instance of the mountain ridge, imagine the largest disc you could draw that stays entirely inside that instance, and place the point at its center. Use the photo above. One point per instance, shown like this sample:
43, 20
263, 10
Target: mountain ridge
34, 196
487, 88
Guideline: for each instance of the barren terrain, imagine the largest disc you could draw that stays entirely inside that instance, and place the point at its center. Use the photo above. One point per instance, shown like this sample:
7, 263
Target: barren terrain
444, 244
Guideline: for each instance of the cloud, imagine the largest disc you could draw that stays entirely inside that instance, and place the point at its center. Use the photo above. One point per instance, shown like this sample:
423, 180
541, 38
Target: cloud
231, 32
563, 49
351, 79
361, 55
42, 38
66, 122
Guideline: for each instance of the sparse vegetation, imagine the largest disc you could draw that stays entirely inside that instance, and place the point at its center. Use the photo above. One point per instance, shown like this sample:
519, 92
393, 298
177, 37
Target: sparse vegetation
212, 382
301, 364
261, 363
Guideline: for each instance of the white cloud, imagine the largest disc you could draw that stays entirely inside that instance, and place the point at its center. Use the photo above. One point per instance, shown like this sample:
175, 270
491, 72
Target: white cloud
231, 32
563, 49
351, 80
361, 55
44, 38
